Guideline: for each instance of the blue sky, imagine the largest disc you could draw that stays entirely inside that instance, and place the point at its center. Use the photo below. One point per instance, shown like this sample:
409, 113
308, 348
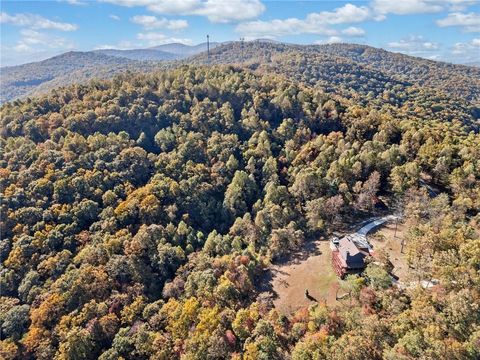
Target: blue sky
446, 30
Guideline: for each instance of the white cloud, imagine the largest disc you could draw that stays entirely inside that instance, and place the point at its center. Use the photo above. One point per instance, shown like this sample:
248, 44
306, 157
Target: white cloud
466, 52
343, 15
330, 40
353, 31
35, 22
221, 11
155, 38
413, 42
218, 11
122, 45
405, 7
459, 5
32, 41
463, 48
22, 47
167, 6
114, 17
416, 46
470, 22
152, 22
74, 2
313, 23
277, 27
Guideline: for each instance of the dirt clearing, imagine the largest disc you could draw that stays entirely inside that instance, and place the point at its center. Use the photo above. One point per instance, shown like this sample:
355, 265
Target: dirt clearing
313, 273
310, 269
384, 238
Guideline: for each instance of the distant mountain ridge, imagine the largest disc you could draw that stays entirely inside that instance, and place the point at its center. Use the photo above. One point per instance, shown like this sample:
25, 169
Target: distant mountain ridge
181, 50
75, 67
336, 67
138, 54
172, 51
69, 68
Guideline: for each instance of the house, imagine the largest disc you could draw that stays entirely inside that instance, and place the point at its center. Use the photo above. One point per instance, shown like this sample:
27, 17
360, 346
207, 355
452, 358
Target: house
349, 256
349, 253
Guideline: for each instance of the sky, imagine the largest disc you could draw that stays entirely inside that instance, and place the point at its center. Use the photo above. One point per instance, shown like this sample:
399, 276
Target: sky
446, 30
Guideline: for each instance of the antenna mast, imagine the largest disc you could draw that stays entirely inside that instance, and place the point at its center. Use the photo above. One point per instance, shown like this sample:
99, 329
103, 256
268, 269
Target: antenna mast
242, 39
208, 49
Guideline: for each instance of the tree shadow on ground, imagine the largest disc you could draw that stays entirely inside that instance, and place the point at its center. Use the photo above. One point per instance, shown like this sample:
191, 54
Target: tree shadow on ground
264, 283
308, 249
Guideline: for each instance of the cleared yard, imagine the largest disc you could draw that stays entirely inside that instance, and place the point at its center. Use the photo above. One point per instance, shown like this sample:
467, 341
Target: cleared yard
313, 273
311, 269
384, 238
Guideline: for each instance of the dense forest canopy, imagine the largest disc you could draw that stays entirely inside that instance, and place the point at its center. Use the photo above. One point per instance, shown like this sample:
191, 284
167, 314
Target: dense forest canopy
139, 213
346, 69
342, 63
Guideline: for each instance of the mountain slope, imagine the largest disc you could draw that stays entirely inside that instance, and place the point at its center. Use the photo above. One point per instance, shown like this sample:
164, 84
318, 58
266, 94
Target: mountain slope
138, 54
77, 67
357, 71
161, 52
455, 80
71, 67
443, 88
459, 80
182, 50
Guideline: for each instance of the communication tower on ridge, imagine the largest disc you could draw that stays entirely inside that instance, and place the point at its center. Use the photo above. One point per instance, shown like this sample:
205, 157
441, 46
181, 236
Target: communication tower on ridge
242, 39
208, 49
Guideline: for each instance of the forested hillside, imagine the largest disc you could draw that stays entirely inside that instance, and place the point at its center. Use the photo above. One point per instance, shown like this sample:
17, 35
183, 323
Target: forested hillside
138, 215
351, 64
138, 54
77, 67
353, 71
70, 68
